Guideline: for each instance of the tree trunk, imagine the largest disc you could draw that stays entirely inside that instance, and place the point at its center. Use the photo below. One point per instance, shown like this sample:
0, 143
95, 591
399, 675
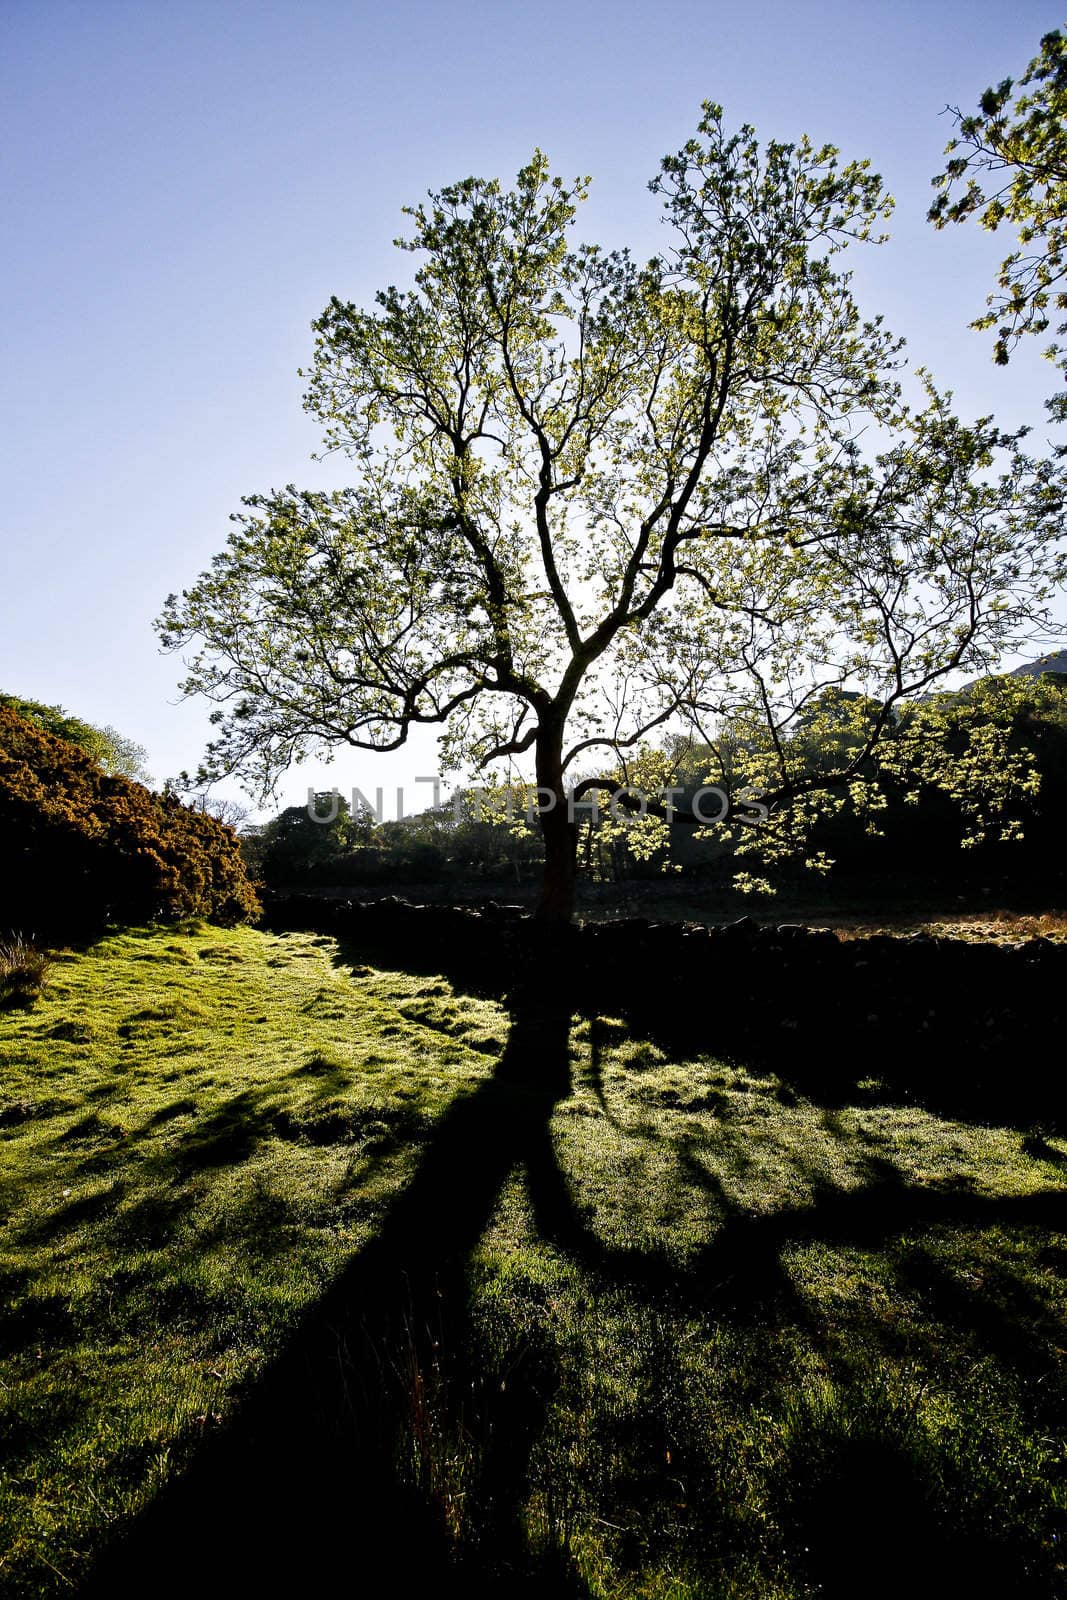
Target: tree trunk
559, 833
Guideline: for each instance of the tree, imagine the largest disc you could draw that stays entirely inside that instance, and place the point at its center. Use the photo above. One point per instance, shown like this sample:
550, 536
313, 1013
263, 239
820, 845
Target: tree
302, 838
596, 498
123, 757
1009, 165
229, 812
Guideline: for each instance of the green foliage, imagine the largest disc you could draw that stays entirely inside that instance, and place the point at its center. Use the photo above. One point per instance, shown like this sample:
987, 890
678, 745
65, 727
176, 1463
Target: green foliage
54, 720
119, 756
122, 757
469, 838
82, 847
294, 843
1009, 166
973, 770
476, 834
972, 747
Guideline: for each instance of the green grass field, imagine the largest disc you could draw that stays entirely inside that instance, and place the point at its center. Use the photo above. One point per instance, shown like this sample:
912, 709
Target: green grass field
726, 1341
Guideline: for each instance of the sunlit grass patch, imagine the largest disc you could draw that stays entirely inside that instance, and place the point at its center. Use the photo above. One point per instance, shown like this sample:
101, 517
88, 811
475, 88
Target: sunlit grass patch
196, 1132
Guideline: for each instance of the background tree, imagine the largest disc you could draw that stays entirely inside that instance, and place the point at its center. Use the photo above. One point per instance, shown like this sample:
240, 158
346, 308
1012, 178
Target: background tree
123, 757
1009, 165
596, 499
231, 812
476, 834
301, 839
474, 838
954, 781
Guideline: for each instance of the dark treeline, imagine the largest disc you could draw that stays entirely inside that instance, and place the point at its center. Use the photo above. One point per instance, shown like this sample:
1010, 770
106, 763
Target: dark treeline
922, 833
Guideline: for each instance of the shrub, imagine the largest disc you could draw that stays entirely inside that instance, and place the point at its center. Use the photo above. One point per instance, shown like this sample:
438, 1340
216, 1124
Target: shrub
80, 847
114, 752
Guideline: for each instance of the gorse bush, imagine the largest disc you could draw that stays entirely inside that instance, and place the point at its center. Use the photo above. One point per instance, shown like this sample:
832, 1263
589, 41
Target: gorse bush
80, 847
114, 752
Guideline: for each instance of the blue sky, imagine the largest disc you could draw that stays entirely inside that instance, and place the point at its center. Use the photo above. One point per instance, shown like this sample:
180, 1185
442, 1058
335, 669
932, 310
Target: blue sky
185, 185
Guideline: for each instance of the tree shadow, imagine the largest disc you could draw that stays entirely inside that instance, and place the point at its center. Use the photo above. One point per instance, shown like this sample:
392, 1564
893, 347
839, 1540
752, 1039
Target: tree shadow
332, 1467
740, 1270
310, 1482
865, 1500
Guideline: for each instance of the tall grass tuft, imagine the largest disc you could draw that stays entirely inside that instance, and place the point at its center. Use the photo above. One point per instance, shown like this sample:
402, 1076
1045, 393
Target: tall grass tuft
23, 970
438, 1454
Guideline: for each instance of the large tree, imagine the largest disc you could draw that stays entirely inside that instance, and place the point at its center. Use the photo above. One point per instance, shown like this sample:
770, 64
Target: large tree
595, 498
1008, 166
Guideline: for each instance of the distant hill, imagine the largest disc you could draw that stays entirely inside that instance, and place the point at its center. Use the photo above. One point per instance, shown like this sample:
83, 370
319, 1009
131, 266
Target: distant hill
1056, 662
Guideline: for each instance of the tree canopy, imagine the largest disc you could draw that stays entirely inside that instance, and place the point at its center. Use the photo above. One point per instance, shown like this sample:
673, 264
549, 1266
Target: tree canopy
1009, 165
595, 498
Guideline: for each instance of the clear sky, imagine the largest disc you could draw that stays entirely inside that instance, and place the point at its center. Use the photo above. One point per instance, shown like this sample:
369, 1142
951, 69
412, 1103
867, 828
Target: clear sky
186, 182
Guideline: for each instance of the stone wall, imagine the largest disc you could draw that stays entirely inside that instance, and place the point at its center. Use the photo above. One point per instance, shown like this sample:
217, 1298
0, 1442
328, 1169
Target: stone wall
974, 1028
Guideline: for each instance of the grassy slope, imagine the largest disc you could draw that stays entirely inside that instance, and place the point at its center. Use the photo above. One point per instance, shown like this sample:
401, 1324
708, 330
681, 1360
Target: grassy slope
765, 1339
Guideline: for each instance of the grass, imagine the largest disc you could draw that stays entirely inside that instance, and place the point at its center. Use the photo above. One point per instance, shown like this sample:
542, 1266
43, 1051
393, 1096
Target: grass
938, 915
197, 1130
995, 925
715, 1339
